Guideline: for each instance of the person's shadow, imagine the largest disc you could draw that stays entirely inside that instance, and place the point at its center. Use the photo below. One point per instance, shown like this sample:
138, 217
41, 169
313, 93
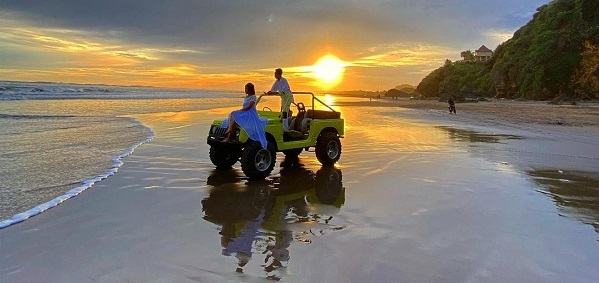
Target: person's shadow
257, 218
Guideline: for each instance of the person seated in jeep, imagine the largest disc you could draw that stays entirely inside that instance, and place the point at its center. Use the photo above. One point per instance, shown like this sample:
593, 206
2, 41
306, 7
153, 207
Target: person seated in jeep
247, 118
281, 87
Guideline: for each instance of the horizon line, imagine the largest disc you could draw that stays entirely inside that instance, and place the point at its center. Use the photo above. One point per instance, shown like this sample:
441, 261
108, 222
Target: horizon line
175, 87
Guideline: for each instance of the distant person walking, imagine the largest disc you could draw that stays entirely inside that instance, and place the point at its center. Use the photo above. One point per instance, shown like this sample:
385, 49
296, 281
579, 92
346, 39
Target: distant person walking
451, 105
281, 87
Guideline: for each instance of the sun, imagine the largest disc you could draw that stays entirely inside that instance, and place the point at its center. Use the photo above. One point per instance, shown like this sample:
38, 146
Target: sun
328, 70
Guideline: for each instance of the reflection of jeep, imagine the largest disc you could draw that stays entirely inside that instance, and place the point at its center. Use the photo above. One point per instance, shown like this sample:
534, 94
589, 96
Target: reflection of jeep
311, 127
307, 193
256, 219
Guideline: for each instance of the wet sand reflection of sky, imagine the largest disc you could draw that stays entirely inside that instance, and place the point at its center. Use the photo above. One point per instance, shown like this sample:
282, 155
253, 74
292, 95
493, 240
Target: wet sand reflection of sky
576, 194
463, 135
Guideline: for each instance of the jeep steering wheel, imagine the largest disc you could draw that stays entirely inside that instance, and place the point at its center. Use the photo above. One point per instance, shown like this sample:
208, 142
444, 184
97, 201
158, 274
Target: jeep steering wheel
266, 107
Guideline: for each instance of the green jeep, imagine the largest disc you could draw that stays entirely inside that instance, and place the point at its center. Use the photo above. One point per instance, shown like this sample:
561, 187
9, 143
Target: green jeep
317, 128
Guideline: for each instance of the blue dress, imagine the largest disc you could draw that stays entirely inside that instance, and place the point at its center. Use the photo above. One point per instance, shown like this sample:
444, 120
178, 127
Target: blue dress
250, 122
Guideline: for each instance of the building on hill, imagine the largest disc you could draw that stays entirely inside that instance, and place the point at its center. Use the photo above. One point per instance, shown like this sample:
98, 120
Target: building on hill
483, 54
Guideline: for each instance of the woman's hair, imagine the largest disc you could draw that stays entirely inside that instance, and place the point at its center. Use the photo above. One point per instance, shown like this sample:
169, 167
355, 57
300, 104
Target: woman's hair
250, 88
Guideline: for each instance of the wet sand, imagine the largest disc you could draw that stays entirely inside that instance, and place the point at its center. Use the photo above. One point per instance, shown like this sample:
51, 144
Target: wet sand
418, 196
501, 111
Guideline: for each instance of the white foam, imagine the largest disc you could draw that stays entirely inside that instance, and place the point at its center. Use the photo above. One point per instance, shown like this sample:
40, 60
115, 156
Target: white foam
117, 163
49, 91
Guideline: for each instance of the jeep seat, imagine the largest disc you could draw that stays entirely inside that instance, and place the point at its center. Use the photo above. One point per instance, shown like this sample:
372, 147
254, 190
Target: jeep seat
323, 114
297, 122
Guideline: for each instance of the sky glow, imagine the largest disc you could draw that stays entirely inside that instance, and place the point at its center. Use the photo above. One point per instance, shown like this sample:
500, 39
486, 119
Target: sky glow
361, 45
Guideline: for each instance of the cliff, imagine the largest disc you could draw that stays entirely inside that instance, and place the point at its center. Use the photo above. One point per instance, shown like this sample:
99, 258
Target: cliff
555, 55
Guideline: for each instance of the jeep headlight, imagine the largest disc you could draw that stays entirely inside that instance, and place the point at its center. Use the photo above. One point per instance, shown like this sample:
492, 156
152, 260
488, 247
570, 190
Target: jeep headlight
213, 129
237, 131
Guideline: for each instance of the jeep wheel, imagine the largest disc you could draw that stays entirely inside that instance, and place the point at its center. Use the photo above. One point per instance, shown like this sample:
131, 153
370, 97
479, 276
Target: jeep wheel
328, 184
257, 162
293, 152
224, 158
328, 148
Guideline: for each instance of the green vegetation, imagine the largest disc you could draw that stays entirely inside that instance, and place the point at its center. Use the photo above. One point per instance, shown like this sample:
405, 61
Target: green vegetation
555, 55
468, 55
394, 93
459, 79
404, 90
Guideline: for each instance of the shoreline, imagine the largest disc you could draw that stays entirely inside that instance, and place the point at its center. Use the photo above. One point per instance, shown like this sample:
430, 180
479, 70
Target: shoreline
85, 184
509, 111
480, 116
424, 110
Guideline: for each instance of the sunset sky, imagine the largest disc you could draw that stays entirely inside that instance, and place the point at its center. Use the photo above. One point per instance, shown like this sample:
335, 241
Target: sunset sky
363, 45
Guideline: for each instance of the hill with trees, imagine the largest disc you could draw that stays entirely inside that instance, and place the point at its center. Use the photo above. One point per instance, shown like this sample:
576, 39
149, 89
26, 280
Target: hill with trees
406, 88
555, 55
394, 93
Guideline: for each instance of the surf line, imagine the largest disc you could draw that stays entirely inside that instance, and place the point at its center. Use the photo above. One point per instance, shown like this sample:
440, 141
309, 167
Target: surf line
117, 163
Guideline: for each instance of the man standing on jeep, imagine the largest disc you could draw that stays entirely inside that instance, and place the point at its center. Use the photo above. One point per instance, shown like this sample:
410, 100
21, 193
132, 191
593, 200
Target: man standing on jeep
281, 87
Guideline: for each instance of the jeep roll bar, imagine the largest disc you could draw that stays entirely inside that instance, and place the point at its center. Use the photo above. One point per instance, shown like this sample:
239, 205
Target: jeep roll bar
301, 92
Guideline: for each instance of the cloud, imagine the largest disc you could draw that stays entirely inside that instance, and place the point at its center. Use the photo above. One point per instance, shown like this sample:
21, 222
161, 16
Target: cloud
238, 37
402, 54
496, 37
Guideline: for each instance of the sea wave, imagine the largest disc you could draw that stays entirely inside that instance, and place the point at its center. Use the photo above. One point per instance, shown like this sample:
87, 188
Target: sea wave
45, 91
26, 116
54, 140
117, 163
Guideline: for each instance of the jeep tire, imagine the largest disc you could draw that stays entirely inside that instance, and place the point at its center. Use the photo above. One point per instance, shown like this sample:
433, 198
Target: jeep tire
328, 184
257, 162
224, 158
328, 148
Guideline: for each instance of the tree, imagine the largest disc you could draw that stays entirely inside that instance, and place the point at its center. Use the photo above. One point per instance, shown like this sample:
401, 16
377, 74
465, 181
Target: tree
467, 55
394, 93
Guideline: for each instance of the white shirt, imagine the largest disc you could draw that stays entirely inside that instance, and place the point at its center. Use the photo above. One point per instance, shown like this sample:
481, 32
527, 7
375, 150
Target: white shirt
282, 86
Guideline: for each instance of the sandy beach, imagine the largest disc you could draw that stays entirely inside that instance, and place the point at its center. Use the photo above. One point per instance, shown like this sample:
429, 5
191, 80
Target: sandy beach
501, 192
583, 114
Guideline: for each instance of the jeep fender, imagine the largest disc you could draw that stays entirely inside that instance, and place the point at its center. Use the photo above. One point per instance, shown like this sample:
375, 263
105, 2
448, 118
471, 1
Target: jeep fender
327, 130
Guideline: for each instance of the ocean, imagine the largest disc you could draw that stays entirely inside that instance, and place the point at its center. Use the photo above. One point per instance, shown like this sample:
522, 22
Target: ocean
58, 139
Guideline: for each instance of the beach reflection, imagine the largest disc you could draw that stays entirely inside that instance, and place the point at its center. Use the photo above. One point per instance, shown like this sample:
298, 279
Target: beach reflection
263, 219
575, 193
463, 135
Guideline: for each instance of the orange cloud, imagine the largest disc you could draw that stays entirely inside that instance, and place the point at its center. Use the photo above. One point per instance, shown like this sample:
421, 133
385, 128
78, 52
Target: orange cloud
87, 57
401, 54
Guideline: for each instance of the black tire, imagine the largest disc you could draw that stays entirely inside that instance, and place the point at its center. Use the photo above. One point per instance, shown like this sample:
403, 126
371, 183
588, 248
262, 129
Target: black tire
256, 162
328, 148
328, 184
293, 152
224, 158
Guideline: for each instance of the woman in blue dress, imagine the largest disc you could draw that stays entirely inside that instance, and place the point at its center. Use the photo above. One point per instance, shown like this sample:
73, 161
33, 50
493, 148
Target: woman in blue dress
247, 118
